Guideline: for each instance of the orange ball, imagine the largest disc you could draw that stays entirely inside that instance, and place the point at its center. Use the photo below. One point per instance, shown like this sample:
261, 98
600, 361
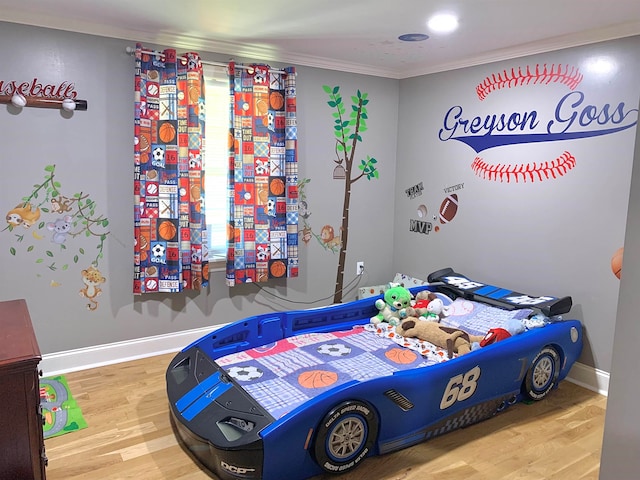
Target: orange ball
261, 107
196, 192
278, 269
194, 94
167, 132
276, 99
277, 186
616, 262
167, 230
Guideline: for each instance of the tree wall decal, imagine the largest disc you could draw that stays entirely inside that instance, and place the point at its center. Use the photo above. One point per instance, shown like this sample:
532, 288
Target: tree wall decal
348, 132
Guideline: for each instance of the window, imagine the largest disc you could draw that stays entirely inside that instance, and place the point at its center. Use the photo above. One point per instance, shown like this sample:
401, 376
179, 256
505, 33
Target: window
216, 159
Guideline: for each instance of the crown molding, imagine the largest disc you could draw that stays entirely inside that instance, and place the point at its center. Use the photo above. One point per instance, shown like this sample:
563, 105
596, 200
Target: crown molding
534, 48
269, 54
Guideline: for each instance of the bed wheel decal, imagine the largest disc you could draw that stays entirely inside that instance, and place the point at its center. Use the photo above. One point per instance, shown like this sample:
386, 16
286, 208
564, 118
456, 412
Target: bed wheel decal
542, 376
345, 436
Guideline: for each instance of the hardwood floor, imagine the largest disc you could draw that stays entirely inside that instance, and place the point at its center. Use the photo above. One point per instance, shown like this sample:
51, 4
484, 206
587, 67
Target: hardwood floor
130, 437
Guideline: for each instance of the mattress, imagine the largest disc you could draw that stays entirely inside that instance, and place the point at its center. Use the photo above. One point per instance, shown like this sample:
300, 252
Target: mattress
282, 375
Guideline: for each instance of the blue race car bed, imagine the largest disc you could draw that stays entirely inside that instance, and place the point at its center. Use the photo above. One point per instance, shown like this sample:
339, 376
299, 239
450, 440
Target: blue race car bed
298, 393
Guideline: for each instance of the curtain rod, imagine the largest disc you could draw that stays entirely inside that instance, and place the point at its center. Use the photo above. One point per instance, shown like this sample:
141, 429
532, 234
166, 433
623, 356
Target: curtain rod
131, 51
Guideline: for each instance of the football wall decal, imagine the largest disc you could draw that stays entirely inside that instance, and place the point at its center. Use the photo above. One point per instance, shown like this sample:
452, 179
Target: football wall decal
448, 208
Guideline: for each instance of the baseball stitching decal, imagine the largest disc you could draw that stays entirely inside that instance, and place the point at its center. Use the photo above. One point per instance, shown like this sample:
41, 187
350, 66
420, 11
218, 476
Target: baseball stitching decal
531, 172
570, 76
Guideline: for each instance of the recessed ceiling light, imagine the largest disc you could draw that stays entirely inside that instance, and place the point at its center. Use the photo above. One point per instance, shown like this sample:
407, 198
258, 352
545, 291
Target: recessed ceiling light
413, 37
443, 23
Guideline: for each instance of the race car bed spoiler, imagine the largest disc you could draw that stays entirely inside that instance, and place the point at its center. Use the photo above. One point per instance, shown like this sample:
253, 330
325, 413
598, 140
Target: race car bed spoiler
460, 286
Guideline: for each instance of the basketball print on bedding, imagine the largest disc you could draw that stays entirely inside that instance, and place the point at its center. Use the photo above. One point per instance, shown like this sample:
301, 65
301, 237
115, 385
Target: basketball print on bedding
317, 378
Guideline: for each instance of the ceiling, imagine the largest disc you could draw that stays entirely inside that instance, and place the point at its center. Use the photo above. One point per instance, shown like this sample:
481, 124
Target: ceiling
359, 36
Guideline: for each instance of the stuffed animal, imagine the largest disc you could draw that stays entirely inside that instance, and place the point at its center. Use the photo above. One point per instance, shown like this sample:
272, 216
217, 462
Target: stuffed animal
513, 327
419, 306
427, 306
436, 310
453, 339
494, 335
393, 308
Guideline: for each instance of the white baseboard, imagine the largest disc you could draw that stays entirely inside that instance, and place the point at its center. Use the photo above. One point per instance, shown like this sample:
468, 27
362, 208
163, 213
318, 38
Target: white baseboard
589, 377
100, 355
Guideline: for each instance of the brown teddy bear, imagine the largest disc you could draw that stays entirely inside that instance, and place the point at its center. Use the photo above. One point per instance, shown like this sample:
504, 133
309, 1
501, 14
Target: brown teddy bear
427, 306
419, 306
453, 339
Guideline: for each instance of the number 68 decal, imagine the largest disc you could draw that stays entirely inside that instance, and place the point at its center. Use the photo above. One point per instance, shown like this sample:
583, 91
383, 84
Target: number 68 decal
460, 388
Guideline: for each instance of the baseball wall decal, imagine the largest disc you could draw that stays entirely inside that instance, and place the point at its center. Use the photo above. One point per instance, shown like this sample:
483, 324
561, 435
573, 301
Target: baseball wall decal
68, 104
507, 128
448, 208
18, 100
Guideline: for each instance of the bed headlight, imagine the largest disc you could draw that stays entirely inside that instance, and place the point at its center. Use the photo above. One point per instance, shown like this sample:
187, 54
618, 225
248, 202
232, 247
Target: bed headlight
233, 427
574, 334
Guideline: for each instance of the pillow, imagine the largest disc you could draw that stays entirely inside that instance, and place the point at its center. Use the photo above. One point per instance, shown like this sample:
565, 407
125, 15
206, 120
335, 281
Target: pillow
477, 318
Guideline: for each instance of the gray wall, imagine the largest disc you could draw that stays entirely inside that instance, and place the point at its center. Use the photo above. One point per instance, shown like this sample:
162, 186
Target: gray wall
93, 154
546, 237
551, 237
621, 444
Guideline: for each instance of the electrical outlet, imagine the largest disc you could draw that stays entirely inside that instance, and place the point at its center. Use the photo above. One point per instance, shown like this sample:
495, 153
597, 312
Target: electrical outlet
359, 268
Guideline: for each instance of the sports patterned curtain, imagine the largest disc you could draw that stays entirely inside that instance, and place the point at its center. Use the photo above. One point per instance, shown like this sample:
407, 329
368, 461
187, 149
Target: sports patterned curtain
170, 228
263, 175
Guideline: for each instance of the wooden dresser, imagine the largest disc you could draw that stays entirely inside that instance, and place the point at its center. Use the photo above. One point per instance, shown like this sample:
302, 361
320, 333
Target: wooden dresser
22, 455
